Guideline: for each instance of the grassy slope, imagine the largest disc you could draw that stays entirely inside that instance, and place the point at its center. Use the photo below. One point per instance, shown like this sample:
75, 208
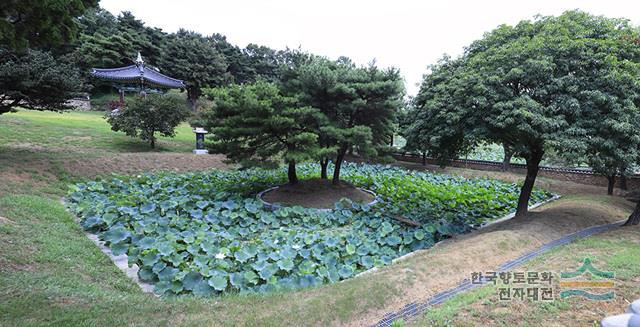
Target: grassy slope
28, 128
50, 273
617, 251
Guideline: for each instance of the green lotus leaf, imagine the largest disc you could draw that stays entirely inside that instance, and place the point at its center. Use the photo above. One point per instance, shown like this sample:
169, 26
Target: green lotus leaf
430, 228
147, 208
116, 235
250, 277
345, 271
150, 259
419, 235
119, 248
268, 271
362, 250
162, 287
219, 283
146, 242
202, 289
165, 248
351, 249
158, 267
191, 280
196, 214
367, 261
251, 207
92, 222
241, 256
236, 279
202, 204
285, 264
393, 240
146, 274
168, 274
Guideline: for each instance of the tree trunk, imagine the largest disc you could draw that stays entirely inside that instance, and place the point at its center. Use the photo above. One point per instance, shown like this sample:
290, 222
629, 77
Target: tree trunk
424, 158
634, 219
323, 168
533, 165
152, 139
192, 97
611, 182
506, 161
338, 165
291, 173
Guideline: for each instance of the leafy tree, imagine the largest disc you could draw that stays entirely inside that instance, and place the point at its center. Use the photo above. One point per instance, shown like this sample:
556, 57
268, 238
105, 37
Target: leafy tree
255, 125
106, 41
42, 24
146, 116
191, 57
262, 62
521, 86
610, 96
36, 80
238, 67
435, 130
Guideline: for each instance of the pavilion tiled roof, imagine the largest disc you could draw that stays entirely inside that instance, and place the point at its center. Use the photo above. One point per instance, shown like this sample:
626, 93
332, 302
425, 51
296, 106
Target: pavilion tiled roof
137, 73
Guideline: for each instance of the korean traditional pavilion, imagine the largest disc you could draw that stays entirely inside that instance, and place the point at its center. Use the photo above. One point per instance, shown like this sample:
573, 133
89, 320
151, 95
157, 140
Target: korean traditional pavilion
137, 78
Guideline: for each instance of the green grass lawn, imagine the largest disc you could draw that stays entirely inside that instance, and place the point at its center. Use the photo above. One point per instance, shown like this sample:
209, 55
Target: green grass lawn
81, 129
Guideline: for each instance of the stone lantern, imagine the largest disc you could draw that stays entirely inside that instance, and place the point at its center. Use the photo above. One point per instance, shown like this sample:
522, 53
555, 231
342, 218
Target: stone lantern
200, 141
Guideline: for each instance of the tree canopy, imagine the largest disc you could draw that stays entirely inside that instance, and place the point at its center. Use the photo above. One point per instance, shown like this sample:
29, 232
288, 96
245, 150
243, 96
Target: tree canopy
255, 125
360, 104
189, 56
40, 24
36, 80
530, 87
145, 116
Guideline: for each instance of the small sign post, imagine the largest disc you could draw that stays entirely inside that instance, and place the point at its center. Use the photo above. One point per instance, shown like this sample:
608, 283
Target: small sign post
200, 141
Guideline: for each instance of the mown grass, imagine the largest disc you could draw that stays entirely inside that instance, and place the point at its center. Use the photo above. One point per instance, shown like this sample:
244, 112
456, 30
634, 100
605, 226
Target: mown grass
84, 130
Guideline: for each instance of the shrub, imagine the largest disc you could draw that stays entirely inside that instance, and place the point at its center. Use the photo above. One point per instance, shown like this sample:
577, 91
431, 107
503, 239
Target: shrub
144, 117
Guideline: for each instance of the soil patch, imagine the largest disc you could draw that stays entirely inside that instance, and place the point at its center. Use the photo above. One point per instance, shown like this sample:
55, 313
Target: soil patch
132, 163
316, 193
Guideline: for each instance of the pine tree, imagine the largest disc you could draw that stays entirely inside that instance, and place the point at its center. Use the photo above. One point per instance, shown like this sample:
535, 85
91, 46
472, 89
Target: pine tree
255, 125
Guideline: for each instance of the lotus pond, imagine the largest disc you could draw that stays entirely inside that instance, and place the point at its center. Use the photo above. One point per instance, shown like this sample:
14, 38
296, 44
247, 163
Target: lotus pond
206, 233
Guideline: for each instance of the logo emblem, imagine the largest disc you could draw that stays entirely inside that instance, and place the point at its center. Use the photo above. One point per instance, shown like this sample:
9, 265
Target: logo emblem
574, 283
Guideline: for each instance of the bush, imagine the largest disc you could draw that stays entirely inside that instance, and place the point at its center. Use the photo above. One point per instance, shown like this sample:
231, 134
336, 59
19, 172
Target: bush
143, 117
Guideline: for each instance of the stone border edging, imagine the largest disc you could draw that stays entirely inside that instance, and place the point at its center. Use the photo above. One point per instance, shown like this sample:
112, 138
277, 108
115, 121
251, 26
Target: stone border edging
274, 206
513, 214
121, 261
413, 309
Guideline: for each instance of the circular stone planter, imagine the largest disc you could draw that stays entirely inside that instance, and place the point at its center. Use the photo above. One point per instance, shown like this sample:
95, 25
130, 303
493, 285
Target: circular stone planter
276, 206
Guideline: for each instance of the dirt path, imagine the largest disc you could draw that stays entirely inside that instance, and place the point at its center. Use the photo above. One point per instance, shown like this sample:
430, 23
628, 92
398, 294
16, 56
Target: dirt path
444, 266
131, 163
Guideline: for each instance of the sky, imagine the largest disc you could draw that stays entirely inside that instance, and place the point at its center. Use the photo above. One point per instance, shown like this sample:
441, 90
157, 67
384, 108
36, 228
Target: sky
409, 35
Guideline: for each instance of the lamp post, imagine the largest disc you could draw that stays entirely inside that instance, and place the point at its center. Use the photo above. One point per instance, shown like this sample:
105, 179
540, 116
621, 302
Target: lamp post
200, 141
